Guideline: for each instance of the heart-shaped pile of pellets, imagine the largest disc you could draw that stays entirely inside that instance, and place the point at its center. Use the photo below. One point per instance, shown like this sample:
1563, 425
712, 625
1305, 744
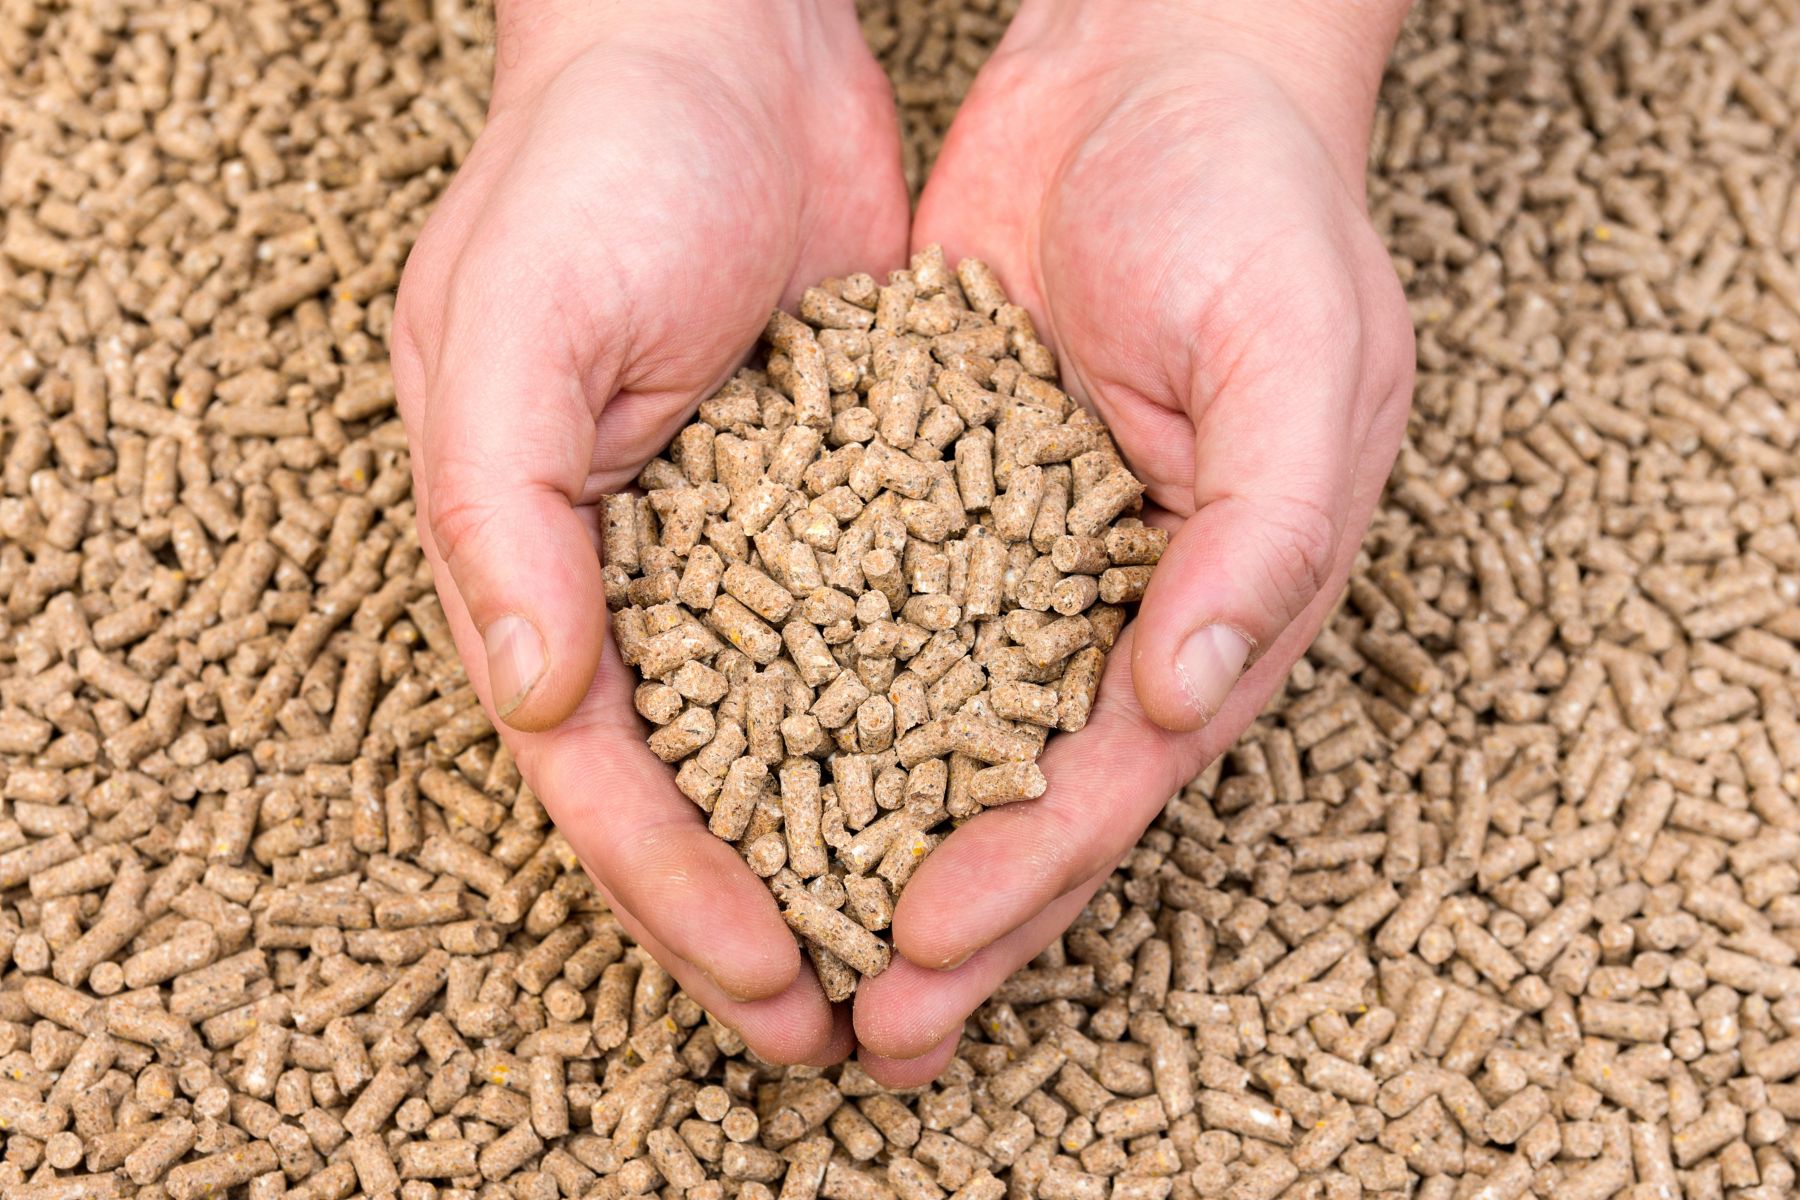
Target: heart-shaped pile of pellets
867, 583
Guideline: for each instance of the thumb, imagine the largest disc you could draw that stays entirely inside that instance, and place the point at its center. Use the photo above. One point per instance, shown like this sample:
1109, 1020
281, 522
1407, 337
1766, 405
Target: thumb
1272, 485
505, 453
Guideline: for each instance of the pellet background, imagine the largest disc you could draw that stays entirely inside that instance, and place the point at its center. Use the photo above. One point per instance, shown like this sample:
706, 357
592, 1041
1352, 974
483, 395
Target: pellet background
1499, 897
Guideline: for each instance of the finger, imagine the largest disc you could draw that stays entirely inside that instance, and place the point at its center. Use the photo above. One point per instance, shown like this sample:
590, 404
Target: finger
797, 1025
641, 839
1106, 783
504, 444
1274, 461
618, 806
899, 1074
621, 814
906, 1015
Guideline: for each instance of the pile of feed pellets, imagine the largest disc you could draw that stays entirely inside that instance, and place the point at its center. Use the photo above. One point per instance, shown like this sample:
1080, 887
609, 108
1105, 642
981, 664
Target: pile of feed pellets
1499, 897
904, 577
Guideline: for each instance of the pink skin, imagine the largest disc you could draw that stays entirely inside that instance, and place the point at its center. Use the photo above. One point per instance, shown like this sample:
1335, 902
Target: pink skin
652, 181
1187, 229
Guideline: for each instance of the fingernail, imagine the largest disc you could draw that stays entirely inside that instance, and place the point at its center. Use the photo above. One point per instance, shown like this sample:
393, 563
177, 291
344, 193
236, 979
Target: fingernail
1208, 665
515, 655
950, 964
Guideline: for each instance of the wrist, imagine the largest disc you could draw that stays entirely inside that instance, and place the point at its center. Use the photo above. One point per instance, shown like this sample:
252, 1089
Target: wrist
1326, 55
534, 39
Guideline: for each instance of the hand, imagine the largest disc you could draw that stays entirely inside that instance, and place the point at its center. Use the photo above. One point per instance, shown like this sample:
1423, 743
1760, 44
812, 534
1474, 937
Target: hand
1177, 199
652, 181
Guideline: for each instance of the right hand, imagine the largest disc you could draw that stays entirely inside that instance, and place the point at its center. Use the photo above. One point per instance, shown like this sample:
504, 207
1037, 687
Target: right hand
652, 181
1184, 220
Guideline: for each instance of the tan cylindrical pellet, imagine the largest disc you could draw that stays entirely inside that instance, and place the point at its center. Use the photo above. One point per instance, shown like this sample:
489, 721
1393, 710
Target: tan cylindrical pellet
800, 807
762, 595
1017, 700
1007, 784
1052, 643
216, 1173
1102, 502
745, 783
1469, 831
1123, 585
1511, 1120
193, 947
1077, 689
438, 1160
1247, 1115
154, 1156
743, 629
835, 932
506, 1153
839, 700
1267, 1180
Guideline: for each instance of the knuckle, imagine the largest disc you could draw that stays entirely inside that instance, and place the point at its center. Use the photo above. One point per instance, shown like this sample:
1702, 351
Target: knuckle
459, 516
1297, 544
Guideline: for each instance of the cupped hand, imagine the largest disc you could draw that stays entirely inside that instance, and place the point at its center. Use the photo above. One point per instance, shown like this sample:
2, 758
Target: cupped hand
1176, 196
652, 181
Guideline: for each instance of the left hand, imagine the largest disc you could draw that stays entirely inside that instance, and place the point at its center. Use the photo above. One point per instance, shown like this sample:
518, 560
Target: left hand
1177, 197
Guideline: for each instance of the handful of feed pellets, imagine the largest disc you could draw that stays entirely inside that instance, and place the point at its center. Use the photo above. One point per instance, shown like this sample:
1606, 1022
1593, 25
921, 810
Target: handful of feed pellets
867, 583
